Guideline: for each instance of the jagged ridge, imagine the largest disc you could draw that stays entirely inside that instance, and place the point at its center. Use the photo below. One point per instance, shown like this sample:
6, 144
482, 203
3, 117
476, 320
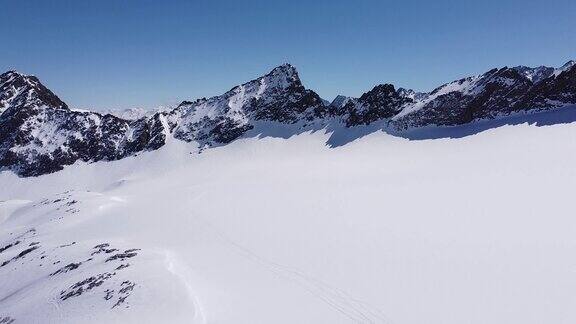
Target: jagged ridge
39, 134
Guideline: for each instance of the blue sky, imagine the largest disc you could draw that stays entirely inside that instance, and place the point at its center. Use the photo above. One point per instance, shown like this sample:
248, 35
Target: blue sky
120, 54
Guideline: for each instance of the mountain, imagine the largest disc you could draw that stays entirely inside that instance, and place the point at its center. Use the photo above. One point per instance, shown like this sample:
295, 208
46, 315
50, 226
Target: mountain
278, 96
382, 102
26, 92
496, 93
40, 134
567, 66
340, 101
535, 74
409, 93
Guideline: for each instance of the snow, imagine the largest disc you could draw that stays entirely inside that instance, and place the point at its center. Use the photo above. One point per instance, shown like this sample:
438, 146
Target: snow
340, 101
475, 85
478, 229
11, 91
568, 65
130, 113
234, 103
48, 135
465, 86
536, 74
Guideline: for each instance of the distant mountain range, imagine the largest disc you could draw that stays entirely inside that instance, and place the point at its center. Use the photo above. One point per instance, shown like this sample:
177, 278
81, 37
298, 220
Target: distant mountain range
40, 134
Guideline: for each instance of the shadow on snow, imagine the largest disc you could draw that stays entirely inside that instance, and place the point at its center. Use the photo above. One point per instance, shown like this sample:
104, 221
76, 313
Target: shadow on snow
341, 135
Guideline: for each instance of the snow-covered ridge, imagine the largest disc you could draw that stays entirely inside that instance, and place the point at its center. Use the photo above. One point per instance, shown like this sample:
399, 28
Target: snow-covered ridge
567, 66
535, 74
40, 134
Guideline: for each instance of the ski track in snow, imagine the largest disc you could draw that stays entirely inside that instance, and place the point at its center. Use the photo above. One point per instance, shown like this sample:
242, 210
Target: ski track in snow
352, 308
174, 266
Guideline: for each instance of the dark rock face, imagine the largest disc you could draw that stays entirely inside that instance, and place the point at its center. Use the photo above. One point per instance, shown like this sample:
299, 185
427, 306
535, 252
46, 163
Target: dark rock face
535, 74
382, 102
552, 91
39, 134
287, 101
493, 93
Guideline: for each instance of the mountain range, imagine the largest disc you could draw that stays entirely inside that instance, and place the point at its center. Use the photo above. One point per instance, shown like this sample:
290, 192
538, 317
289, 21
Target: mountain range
40, 134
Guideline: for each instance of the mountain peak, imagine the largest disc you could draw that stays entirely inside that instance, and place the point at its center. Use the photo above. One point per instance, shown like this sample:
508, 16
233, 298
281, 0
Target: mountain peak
386, 89
19, 90
536, 74
10, 73
283, 76
340, 101
567, 66
13, 76
286, 68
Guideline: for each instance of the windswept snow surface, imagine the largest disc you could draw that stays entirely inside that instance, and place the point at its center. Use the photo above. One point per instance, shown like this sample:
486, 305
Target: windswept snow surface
479, 229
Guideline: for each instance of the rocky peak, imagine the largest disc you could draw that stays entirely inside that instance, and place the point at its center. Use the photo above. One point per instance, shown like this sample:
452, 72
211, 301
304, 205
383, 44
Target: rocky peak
340, 101
278, 96
382, 102
40, 134
283, 76
566, 67
23, 91
411, 94
286, 69
556, 91
406, 92
536, 74
569, 64
381, 90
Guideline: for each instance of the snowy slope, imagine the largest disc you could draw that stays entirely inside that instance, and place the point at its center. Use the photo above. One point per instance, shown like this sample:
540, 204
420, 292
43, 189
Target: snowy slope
478, 229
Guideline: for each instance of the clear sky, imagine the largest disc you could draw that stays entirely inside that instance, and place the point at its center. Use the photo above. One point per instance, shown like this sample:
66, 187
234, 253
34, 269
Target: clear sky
143, 53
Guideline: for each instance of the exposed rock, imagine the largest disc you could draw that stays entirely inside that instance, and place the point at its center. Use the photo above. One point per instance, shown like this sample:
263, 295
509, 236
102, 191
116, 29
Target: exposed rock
20, 255
9, 245
123, 256
85, 285
382, 102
